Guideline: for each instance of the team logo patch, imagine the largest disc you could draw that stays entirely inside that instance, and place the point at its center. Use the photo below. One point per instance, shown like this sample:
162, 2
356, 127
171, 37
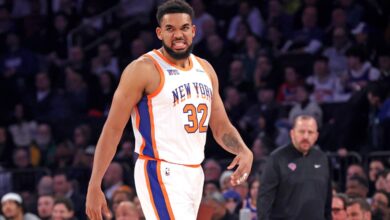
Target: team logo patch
173, 72
167, 171
292, 166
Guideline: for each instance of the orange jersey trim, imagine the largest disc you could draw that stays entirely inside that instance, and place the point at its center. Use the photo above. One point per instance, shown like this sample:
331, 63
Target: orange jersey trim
150, 189
144, 157
162, 77
152, 134
172, 64
137, 122
164, 191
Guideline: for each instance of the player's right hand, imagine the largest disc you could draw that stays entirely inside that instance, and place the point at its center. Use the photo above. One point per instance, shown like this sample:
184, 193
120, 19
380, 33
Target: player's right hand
96, 204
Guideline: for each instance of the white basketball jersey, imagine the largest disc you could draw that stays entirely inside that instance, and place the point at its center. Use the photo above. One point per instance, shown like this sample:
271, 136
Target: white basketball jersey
171, 123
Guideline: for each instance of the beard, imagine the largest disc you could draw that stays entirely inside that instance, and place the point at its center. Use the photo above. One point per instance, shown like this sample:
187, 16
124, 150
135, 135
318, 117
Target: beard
178, 55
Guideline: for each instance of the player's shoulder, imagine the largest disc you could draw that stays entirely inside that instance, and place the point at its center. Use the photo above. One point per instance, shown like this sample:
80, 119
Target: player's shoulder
141, 64
202, 61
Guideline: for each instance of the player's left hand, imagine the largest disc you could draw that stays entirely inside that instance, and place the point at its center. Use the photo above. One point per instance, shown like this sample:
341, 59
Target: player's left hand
244, 161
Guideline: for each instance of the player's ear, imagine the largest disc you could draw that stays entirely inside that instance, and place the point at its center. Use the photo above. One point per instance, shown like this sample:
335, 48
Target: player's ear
158, 33
193, 30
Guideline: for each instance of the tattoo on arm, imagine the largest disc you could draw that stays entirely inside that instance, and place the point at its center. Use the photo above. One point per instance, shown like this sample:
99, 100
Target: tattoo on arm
230, 141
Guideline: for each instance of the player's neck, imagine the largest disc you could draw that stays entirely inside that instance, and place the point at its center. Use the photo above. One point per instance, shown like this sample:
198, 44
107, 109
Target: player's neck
183, 63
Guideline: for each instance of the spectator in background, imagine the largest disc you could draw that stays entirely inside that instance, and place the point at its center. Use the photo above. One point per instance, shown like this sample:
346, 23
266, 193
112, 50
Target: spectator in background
276, 40
357, 186
339, 203
127, 210
23, 178
45, 206
76, 94
6, 148
353, 10
326, 85
212, 170
338, 20
100, 101
17, 62
287, 92
260, 117
217, 204
63, 155
359, 72
7, 24
362, 39
379, 115
81, 140
63, 187
238, 78
336, 53
57, 51
355, 169
218, 55
63, 209
45, 185
375, 167
113, 179
250, 201
387, 182
12, 208
105, 61
249, 14
201, 16
209, 27
384, 64
380, 183
309, 38
249, 54
210, 187
44, 143
235, 103
278, 17
232, 201
224, 181
265, 74
22, 129
78, 62
45, 103
121, 194
304, 106
358, 209
380, 205
238, 41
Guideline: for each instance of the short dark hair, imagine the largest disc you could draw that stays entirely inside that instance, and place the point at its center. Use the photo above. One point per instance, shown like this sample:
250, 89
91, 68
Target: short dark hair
174, 6
343, 197
357, 52
66, 201
360, 180
362, 203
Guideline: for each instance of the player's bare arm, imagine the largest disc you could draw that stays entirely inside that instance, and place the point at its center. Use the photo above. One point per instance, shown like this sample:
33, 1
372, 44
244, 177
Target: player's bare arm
227, 135
139, 78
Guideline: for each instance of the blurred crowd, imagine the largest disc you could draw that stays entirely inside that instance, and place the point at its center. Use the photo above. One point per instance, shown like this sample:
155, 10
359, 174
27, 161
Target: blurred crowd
275, 59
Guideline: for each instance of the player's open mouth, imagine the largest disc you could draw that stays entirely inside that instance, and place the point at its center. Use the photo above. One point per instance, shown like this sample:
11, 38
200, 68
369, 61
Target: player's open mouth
179, 45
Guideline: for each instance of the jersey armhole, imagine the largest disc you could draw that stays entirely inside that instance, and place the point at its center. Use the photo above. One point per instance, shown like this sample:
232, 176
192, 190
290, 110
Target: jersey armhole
162, 77
202, 63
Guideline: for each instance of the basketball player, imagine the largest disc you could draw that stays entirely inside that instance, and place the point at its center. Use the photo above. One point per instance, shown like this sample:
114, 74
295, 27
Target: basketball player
172, 97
